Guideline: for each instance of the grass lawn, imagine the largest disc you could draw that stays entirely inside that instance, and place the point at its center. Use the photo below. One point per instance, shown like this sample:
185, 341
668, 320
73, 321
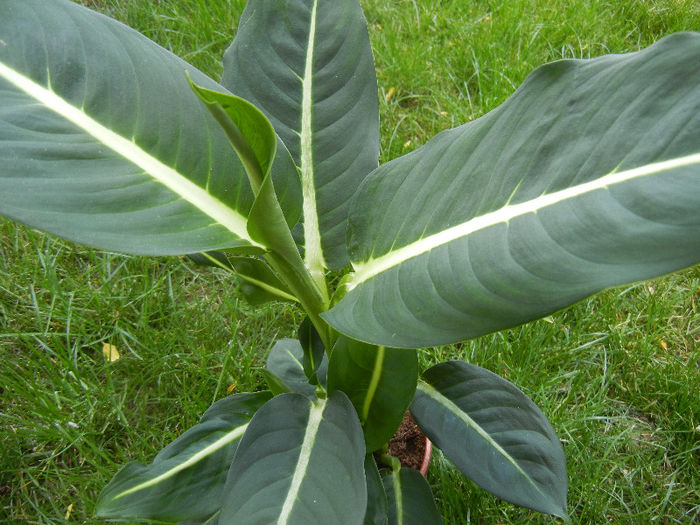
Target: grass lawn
618, 374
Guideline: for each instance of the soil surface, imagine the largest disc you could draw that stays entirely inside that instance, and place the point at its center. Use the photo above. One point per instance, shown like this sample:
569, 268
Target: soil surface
408, 444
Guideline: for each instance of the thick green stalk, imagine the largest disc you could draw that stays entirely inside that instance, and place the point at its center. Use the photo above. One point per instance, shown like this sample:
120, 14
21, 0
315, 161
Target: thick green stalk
390, 461
267, 223
305, 288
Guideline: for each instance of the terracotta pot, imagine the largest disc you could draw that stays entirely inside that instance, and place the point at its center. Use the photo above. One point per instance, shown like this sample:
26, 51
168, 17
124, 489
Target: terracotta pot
426, 457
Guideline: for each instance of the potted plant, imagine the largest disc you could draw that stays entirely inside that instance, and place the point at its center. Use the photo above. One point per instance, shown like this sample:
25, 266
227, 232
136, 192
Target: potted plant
586, 178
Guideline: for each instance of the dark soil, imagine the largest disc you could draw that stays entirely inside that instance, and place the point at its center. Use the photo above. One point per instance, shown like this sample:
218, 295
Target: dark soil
408, 444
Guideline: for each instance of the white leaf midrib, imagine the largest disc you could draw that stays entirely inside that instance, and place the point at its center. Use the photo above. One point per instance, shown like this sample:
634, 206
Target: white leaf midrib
313, 251
192, 460
365, 270
130, 151
454, 409
307, 447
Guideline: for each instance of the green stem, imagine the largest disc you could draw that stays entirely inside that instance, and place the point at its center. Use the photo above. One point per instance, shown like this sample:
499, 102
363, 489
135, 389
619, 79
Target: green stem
390, 461
296, 276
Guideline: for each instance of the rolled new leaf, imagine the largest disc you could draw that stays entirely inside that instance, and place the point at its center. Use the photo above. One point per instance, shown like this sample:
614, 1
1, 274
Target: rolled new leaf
186, 479
300, 462
587, 177
251, 135
103, 142
410, 500
379, 381
307, 64
494, 434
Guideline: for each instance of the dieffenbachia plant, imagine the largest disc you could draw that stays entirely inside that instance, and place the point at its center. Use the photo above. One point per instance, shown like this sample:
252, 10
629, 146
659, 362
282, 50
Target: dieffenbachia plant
587, 177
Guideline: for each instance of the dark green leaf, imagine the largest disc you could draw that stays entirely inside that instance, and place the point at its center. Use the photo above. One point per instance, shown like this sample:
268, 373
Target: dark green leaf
285, 363
110, 147
379, 381
314, 350
587, 177
300, 462
376, 513
410, 499
278, 386
494, 434
308, 65
186, 479
213, 259
259, 284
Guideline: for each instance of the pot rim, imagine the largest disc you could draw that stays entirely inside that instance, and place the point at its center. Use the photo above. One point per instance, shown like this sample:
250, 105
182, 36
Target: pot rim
426, 457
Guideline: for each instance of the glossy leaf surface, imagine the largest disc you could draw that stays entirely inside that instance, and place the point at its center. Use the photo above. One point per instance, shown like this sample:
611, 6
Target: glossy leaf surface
103, 142
586, 178
494, 434
307, 64
379, 381
186, 479
410, 499
299, 462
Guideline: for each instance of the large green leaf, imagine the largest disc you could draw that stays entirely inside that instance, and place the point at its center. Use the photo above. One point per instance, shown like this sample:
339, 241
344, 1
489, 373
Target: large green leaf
300, 462
186, 479
410, 499
494, 434
307, 64
587, 177
103, 142
379, 381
